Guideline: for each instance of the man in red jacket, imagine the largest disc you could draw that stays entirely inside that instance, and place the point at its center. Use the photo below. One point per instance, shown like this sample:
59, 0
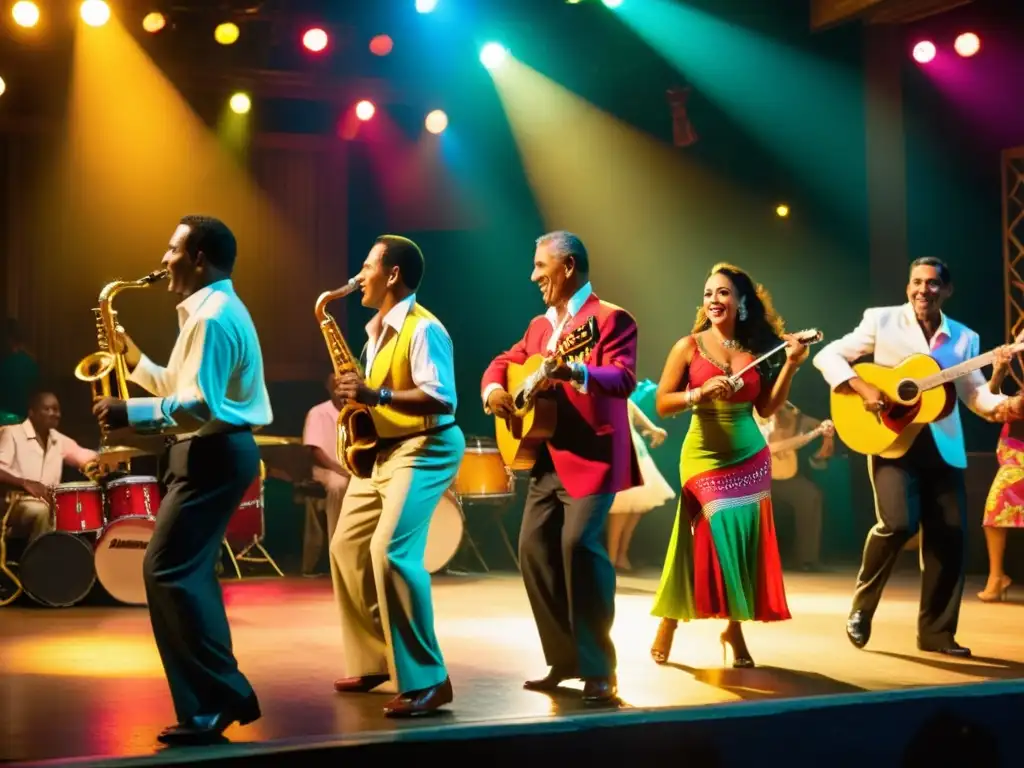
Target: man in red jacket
569, 578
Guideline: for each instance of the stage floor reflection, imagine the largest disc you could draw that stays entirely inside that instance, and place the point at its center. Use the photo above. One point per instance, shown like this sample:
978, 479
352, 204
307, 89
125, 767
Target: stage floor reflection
87, 681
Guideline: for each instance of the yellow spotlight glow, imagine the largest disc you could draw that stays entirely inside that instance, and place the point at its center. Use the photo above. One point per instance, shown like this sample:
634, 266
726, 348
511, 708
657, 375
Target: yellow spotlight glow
3, 86
437, 121
95, 13
226, 33
154, 22
782, 210
25, 14
240, 103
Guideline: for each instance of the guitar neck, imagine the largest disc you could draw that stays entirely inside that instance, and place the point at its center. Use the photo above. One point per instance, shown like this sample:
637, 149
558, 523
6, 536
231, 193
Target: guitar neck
962, 369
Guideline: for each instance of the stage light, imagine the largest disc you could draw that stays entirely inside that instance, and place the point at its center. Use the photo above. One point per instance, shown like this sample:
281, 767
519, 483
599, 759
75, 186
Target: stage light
381, 45
967, 44
924, 51
425, 6
240, 103
25, 14
3, 86
154, 22
226, 33
365, 110
95, 13
493, 55
612, 3
782, 210
436, 121
315, 39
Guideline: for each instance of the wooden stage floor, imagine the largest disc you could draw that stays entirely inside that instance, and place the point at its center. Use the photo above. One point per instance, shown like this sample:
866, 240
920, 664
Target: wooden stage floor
87, 682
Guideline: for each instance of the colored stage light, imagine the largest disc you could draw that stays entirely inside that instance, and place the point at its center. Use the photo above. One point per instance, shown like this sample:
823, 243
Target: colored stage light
154, 22
226, 33
437, 121
782, 210
3, 86
240, 103
425, 6
25, 14
924, 51
967, 44
365, 110
612, 3
315, 39
381, 45
493, 55
95, 13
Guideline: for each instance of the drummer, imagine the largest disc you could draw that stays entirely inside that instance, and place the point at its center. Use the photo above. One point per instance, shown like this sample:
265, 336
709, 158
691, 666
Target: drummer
32, 455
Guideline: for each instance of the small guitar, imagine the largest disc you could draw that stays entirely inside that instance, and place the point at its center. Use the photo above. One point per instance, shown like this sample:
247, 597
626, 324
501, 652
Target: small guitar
784, 458
917, 392
534, 420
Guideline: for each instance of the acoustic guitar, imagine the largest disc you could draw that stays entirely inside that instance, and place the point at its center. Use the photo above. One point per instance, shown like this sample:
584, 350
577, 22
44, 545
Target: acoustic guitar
784, 458
521, 435
917, 392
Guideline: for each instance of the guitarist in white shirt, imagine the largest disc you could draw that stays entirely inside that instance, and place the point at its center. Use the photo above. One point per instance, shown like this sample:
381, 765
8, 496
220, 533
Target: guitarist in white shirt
786, 431
925, 486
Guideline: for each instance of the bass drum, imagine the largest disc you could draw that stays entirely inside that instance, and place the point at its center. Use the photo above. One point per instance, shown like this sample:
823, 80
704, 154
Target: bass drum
57, 569
119, 555
445, 534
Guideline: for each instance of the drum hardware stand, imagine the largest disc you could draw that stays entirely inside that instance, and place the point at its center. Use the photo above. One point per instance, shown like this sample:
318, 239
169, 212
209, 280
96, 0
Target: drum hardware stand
244, 556
499, 513
18, 589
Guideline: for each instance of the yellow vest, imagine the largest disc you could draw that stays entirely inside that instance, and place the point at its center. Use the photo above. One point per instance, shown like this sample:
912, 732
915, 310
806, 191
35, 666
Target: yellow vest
392, 368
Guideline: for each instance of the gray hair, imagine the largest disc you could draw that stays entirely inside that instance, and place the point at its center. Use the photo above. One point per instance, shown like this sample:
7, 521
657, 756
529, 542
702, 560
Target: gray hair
564, 244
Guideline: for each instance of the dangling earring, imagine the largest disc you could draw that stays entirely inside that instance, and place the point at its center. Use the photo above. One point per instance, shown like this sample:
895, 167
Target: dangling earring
741, 313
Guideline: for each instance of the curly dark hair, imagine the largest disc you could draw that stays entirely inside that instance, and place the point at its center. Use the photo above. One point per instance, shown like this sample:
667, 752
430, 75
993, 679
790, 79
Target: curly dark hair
762, 329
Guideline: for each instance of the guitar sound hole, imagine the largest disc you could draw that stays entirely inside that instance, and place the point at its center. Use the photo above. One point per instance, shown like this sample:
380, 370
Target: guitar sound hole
907, 390
520, 400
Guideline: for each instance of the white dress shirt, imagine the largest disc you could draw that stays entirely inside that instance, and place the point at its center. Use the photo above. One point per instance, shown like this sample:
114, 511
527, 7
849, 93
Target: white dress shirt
214, 378
431, 355
23, 455
574, 305
892, 334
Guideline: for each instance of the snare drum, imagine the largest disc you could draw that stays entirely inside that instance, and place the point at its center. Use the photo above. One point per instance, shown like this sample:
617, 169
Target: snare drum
120, 552
246, 524
56, 569
482, 472
132, 497
78, 507
444, 537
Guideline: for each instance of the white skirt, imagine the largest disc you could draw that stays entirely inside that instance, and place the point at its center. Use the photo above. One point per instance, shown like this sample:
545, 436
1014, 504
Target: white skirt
654, 492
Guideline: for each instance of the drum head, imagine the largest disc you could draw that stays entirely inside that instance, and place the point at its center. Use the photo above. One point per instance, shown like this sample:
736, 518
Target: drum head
131, 480
119, 555
481, 445
445, 534
57, 569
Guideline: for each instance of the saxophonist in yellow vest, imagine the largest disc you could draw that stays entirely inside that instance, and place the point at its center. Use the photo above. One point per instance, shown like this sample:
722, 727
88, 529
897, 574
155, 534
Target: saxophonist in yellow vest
380, 581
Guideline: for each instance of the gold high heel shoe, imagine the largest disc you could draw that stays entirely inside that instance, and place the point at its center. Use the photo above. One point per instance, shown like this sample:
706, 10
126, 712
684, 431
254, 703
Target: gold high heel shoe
738, 662
663, 641
999, 595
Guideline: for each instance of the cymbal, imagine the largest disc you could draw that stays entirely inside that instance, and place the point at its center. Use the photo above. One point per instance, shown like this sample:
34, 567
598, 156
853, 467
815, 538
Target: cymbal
277, 440
122, 452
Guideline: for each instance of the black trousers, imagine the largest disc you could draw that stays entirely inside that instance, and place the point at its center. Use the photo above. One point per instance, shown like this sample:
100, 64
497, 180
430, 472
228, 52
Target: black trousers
206, 478
918, 490
569, 578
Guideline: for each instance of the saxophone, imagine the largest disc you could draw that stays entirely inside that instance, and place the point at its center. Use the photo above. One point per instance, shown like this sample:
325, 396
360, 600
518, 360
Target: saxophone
357, 435
99, 367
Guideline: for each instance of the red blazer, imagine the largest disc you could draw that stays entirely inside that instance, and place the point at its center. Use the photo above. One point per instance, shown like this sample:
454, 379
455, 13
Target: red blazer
592, 448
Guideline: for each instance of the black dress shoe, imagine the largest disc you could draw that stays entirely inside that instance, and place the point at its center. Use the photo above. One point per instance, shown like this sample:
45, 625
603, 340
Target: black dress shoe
858, 628
550, 681
209, 729
953, 648
600, 690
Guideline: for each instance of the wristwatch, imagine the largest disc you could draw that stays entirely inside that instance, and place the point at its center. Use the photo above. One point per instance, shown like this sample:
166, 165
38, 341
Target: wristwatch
384, 396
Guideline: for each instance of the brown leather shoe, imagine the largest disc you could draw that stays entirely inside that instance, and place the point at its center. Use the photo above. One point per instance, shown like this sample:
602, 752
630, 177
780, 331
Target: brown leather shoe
363, 684
550, 682
423, 702
598, 691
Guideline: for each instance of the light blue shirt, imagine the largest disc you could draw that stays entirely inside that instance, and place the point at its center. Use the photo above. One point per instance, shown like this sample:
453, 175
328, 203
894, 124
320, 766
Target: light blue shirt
574, 305
214, 378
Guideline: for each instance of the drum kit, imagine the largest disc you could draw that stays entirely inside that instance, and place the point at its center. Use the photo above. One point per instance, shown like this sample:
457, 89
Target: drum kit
100, 532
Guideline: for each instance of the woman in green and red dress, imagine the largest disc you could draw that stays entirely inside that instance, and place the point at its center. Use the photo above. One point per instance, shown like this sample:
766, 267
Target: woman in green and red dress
723, 558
